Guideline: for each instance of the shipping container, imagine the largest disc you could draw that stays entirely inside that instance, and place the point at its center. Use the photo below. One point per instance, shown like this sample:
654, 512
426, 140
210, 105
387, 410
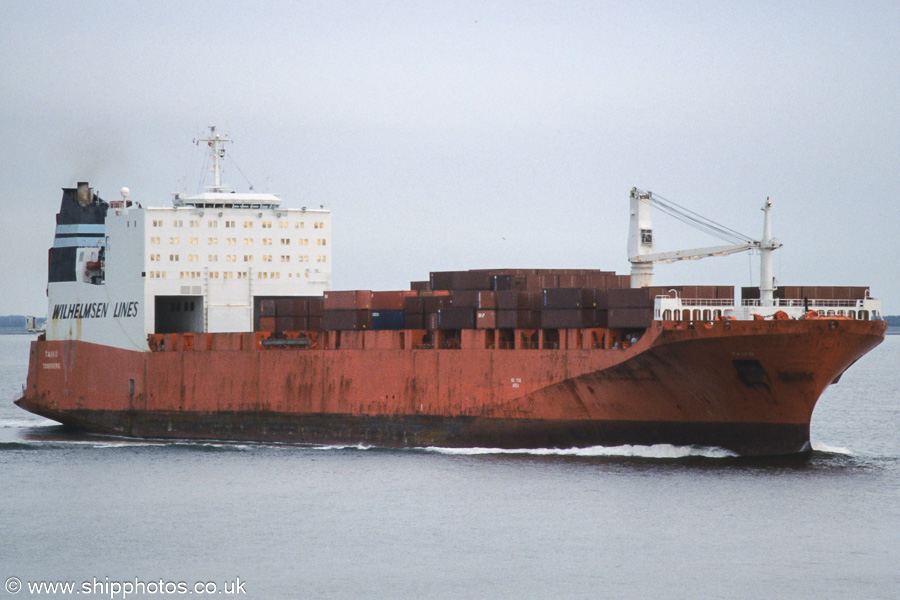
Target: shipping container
344, 320
348, 300
472, 280
630, 298
630, 317
316, 307
434, 303
420, 286
512, 299
458, 317
388, 319
577, 297
441, 280
518, 319
486, 319
413, 320
266, 324
385, 300
474, 299
414, 304
566, 318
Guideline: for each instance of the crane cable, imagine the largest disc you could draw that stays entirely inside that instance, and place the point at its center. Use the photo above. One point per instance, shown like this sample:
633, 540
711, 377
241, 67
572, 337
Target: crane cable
689, 217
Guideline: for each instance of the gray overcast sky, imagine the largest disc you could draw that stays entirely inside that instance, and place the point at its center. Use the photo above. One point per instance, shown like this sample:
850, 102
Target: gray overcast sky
457, 135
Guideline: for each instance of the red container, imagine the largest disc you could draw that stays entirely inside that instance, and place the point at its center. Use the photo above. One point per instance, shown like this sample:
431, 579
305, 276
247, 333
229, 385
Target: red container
486, 319
725, 292
348, 300
267, 324
388, 300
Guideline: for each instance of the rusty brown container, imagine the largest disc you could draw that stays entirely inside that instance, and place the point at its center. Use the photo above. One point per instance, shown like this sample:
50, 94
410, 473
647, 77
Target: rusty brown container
572, 297
414, 304
434, 303
725, 292
316, 307
388, 300
441, 280
512, 299
472, 280
630, 318
750, 293
566, 318
458, 317
486, 319
414, 321
315, 323
630, 298
348, 300
475, 299
537, 283
518, 319
267, 324
344, 320
420, 286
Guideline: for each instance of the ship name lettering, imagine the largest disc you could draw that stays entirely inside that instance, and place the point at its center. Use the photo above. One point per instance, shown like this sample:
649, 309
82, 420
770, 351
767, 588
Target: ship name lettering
51, 353
94, 310
52, 366
81, 310
125, 309
743, 354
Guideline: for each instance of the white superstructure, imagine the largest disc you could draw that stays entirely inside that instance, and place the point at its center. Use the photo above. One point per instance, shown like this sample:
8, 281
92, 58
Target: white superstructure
195, 266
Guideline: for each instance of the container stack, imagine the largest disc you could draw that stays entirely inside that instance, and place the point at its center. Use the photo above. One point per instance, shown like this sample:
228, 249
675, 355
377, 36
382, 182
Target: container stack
281, 313
526, 299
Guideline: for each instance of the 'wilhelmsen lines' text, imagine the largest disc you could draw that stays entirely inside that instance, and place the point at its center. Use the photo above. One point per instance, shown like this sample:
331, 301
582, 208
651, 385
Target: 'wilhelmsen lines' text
94, 310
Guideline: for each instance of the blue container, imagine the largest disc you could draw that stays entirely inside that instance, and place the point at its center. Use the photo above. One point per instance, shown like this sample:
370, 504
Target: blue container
388, 319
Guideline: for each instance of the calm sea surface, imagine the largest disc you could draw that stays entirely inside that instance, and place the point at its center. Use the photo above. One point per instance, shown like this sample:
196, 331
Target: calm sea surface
264, 521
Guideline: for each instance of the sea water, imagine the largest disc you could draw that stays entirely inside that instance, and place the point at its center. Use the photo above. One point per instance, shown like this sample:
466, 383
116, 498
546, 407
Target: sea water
119, 518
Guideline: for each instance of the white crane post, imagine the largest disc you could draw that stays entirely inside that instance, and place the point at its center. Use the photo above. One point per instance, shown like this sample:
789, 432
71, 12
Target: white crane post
766, 245
640, 239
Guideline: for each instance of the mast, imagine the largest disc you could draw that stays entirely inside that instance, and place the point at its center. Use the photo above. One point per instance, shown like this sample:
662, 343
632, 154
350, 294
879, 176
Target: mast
216, 141
766, 245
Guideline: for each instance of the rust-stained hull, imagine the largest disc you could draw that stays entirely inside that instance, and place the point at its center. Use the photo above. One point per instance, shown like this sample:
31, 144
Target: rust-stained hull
749, 386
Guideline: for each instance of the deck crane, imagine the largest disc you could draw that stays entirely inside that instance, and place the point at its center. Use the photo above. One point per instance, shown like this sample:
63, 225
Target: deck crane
642, 255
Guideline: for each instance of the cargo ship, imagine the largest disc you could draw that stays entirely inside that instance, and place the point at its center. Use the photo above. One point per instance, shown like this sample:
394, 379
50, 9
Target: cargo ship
214, 319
